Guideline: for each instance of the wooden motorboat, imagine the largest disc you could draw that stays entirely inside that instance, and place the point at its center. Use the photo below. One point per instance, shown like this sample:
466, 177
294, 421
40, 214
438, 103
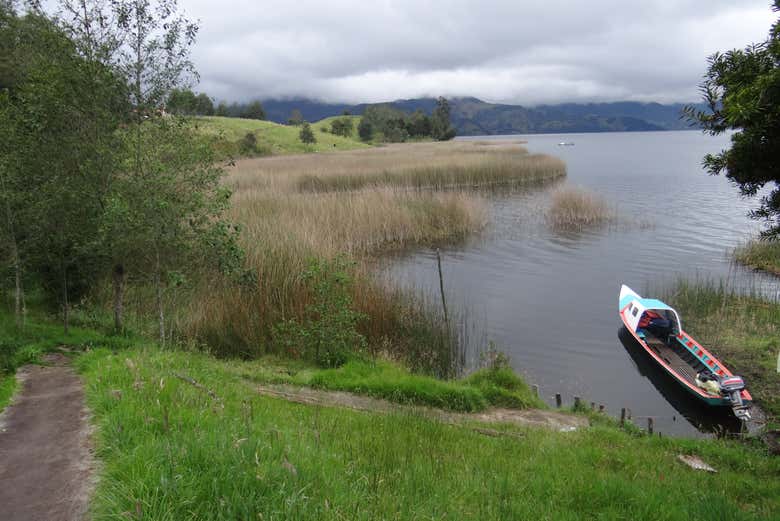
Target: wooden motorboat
657, 329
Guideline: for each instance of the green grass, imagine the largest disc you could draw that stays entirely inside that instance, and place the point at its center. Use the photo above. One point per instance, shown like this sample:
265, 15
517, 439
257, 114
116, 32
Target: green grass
273, 137
25, 346
7, 389
169, 451
761, 255
389, 381
743, 331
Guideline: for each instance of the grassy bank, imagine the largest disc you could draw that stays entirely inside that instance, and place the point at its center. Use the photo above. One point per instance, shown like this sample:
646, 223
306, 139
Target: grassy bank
495, 386
743, 331
285, 224
761, 255
169, 450
273, 138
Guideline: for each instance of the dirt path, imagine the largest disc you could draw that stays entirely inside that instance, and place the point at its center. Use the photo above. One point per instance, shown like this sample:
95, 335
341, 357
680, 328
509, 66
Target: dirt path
527, 418
45, 457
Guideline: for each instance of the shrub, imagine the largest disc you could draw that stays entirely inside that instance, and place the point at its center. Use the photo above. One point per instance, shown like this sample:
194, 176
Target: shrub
248, 144
328, 333
342, 126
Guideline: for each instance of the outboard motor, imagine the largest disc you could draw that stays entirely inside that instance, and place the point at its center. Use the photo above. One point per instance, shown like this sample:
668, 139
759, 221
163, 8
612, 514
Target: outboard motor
732, 387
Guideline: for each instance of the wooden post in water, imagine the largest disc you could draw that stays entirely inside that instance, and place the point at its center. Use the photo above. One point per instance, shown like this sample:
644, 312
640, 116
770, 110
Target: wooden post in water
536, 390
558, 400
592, 406
441, 287
576, 402
622, 416
650, 425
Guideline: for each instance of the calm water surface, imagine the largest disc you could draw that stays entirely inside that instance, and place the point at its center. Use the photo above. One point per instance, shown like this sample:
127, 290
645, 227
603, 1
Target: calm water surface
549, 300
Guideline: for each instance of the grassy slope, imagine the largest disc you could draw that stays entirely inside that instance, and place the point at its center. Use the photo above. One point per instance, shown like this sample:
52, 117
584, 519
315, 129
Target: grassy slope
173, 452
760, 255
280, 139
486, 387
744, 332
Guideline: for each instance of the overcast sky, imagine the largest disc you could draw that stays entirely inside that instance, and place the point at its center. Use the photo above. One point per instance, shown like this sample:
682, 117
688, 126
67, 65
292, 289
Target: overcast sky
515, 51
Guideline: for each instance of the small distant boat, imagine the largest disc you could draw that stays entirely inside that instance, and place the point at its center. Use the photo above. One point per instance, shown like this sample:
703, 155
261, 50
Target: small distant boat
657, 329
566, 144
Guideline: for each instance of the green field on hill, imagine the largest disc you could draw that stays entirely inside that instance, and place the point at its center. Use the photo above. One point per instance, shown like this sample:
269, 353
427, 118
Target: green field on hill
273, 138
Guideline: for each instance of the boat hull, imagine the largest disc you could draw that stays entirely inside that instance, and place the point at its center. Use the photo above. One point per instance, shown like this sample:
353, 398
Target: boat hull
697, 392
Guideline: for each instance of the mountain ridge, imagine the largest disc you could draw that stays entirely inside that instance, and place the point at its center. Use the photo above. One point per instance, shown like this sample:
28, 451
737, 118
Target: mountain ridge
472, 116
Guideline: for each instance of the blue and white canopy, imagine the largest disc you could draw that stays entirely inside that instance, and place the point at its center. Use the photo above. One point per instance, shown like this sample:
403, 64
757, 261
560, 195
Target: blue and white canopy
638, 305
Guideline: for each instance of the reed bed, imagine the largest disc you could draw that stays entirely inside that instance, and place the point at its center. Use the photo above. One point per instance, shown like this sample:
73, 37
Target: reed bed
760, 255
420, 165
577, 208
366, 203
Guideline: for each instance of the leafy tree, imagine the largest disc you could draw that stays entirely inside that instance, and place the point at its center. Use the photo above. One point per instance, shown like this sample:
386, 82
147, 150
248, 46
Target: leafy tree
742, 91
365, 130
306, 135
296, 118
203, 105
342, 126
164, 211
181, 102
395, 132
61, 109
441, 128
419, 124
254, 111
222, 109
387, 120
173, 210
184, 102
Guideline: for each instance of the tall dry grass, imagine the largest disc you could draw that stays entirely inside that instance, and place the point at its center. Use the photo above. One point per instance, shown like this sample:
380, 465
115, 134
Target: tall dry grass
366, 203
419, 165
575, 208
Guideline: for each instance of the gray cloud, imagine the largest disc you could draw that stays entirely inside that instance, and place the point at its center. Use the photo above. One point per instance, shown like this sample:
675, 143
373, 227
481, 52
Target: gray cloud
525, 52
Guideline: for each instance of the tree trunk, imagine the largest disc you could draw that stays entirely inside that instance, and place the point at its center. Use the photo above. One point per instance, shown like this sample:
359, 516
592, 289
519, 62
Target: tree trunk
158, 291
119, 295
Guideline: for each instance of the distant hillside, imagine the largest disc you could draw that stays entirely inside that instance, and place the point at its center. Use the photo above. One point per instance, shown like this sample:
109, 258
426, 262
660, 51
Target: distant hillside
472, 116
272, 138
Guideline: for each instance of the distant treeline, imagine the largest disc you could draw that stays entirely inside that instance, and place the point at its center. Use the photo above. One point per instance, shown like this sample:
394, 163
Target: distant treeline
383, 122
185, 102
386, 123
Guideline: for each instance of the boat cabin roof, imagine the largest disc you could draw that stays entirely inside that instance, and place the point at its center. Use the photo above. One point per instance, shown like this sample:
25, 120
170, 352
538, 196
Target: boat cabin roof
638, 305
655, 304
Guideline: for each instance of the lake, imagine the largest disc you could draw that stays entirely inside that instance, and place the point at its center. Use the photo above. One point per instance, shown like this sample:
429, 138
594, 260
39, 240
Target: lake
549, 299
